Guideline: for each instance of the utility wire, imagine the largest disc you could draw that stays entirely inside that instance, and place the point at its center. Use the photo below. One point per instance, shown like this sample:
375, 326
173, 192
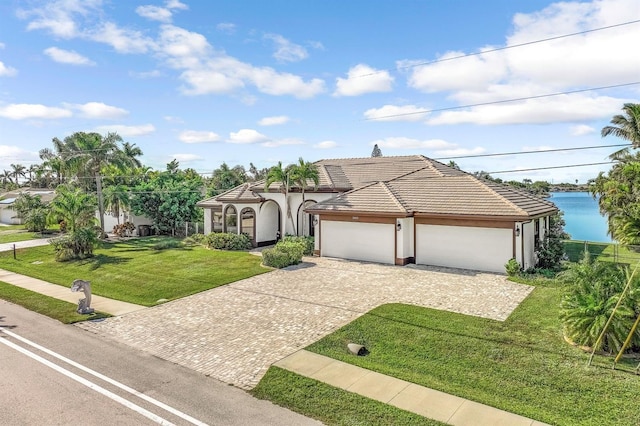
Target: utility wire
550, 167
497, 49
531, 152
503, 101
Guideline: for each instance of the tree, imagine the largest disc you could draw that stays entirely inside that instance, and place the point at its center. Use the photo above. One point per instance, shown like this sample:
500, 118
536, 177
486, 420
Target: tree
551, 250
594, 290
453, 165
225, 178
32, 211
625, 126
75, 207
5, 177
116, 199
169, 198
283, 176
377, 152
303, 172
131, 152
18, 171
257, 174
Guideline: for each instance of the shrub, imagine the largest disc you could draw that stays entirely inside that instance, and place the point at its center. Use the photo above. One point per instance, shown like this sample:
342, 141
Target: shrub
227, 241
75, 245
307, 243
512, 267
285, 253
195, 239
36, 220
124, 229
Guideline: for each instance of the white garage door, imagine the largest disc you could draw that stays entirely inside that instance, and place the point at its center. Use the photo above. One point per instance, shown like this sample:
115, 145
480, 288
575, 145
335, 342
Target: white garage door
371, 242
483, 249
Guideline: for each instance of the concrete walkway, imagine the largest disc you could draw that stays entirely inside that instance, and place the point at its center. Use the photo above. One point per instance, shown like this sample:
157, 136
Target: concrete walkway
24, 244
99, 303
399, 393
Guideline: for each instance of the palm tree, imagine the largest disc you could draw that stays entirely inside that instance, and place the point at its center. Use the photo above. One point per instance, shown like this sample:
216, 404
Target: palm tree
284, 177
88, 153
303, 172
5, 176
131, 152
75, 207
625, 126
116, 199
18, 171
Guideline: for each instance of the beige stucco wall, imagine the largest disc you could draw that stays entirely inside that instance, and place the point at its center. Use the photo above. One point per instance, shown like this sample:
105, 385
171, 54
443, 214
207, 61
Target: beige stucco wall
8, 216
372, 242
405, 238
484, 249
110, 221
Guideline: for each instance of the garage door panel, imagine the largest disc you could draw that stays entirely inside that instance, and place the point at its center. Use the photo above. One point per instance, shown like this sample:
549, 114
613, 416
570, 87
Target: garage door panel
484, 249
371, 242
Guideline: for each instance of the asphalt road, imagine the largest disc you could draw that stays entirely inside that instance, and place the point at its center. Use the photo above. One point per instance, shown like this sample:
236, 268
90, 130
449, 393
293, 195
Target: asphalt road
57, 374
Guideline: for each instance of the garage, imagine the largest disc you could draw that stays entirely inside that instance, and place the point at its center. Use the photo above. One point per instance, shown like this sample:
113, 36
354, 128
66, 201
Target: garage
371, 242
466, 247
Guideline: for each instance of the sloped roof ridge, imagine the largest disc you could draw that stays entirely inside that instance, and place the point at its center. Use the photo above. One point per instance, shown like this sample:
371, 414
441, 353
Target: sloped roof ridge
494, 186
344, 194
521, 192
394, 197
327, 175
369, 158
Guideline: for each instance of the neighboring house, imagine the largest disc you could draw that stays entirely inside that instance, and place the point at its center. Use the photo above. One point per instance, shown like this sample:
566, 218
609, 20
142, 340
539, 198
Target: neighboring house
8, 215
394, 210
111, 220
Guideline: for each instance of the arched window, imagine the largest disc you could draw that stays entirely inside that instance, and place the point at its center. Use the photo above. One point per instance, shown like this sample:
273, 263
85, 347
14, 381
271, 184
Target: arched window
248, 223
231, 220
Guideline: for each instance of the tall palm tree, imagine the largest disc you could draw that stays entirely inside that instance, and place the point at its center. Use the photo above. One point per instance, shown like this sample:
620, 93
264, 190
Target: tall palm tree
284, 177
131, 153
88, 153
625, 126
303, 172
18, 171
6, 178
116, 199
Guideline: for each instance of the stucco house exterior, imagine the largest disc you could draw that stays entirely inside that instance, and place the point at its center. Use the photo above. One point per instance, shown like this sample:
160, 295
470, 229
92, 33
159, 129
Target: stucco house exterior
8, 216
394, 210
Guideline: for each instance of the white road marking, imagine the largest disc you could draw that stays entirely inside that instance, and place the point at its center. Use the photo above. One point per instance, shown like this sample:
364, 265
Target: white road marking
91, 385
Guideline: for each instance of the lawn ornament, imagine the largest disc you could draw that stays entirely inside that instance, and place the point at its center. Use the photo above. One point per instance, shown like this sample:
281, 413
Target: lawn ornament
83, 304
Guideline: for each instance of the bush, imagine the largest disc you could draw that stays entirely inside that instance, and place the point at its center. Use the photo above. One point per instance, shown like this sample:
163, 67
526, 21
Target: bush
227, 241
195, 239
75, 245
512, 267
307, 243
124, 229
285, 253
36, 220
167, 244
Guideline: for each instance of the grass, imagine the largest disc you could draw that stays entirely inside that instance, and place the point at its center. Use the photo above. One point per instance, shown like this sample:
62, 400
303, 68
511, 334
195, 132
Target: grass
14, 236
331, 405
611, 252
135, 272
60, 310
521, 365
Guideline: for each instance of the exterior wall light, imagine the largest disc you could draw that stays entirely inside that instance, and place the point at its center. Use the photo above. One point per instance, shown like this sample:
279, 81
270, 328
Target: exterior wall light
517, 231
315, 221
399, 226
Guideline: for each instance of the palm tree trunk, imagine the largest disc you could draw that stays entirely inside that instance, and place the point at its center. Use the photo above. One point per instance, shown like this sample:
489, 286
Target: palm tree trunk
100, 200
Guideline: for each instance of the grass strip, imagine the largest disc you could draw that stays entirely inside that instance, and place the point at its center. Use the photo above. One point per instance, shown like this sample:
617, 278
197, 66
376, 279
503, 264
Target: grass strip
330, 405
60, 310
135, 271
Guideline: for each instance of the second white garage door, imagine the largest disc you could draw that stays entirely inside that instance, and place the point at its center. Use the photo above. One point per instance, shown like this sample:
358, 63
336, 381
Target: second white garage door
483, 249
371, 242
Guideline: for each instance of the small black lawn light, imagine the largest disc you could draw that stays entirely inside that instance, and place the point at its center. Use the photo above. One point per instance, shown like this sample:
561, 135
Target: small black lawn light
357, 349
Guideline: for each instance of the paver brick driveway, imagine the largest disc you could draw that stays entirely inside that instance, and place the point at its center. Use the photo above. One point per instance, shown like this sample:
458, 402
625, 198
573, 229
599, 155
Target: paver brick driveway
235, 332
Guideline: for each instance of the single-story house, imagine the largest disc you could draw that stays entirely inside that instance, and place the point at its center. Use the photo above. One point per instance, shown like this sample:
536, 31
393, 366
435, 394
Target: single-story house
8, 216
394, 210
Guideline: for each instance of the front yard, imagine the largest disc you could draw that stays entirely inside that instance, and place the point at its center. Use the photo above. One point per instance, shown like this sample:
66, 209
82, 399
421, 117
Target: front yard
135, 272
521, 365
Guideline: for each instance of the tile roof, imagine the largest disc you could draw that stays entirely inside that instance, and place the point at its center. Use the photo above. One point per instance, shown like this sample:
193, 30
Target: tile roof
239, 194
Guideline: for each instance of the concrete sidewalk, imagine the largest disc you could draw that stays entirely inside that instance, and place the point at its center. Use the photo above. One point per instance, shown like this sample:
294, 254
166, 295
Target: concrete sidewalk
24, 244
99, 303
399, 393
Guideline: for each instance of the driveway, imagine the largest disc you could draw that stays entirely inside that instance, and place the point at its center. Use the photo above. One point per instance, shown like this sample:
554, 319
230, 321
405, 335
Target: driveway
235, 332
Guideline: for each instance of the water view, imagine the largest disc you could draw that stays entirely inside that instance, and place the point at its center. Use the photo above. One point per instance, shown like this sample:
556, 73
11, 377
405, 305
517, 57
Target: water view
583, 219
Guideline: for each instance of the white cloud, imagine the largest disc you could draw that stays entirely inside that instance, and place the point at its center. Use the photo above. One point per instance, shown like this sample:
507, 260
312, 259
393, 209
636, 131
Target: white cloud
176, 4
409, 143
28, 111
455, 152
98, 110
581, 129
196, 136
396, 113
536, 148
274, 121
146, 74
154, 13
67, 56
246, 136
59, 16
557, 109
6, 71
186, 158
12, 154
326, 145
363, 79
316, 45
592, 59
286, 51
226, 27
282, 142
121, 39
127, 131
173, 119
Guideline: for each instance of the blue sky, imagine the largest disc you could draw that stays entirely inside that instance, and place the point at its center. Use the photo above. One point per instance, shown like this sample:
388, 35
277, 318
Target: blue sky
208, 82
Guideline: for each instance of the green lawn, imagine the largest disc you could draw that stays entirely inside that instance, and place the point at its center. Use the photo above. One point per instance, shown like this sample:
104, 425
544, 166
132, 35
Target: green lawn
602, 251
57, 309
332, 406
16, 235
134, 272
521, 365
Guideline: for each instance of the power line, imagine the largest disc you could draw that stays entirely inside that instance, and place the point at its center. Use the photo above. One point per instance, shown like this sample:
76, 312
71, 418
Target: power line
550, 167
531, 152
497, 49
548, 95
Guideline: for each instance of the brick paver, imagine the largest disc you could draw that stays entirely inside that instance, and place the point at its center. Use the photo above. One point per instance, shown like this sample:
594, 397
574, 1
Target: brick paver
235, 332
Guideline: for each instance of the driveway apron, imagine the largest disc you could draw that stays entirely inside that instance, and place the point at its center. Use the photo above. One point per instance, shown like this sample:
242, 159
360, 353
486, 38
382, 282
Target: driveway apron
235, 332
